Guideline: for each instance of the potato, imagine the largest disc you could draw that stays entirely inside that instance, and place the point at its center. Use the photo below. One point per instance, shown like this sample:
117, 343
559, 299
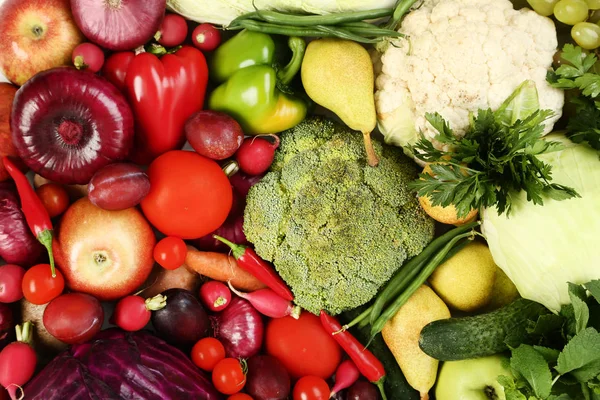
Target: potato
46, 346
162, 279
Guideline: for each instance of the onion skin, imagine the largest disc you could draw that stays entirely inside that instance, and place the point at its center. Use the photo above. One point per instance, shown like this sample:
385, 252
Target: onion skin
118, 24
17, 243
67, 124
240, 329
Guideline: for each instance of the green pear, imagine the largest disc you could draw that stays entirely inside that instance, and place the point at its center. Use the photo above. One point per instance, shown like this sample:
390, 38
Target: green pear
475, 379
338, 75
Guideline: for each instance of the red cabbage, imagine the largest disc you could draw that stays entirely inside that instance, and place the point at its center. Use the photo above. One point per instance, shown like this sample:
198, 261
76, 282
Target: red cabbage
119, 365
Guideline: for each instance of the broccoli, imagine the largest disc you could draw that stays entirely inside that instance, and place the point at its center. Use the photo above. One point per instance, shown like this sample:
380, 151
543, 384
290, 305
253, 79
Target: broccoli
335, 228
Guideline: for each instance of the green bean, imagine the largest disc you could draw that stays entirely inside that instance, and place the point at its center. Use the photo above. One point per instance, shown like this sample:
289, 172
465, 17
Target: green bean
345, 34
435, 261
371, 30
400, 10
394, 286
311, 20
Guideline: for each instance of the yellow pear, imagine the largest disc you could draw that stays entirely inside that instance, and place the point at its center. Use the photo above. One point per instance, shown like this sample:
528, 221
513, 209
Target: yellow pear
503, 292
338, 75
402, 332
465, 281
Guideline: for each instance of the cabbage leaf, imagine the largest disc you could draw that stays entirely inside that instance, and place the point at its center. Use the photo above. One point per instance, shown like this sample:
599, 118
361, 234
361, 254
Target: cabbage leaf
542, 248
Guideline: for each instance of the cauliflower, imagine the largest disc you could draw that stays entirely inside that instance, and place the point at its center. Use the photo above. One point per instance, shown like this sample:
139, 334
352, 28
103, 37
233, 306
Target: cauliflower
461, 56
335, 228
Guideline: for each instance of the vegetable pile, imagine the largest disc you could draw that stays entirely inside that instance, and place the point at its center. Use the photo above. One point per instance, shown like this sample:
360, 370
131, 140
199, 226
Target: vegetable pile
270, 200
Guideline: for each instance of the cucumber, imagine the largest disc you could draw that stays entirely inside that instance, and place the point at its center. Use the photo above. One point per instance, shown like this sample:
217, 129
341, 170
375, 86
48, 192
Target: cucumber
482, 335
395, 384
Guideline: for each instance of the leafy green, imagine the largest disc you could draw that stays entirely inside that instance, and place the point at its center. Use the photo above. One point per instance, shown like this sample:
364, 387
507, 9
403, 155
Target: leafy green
565, 364
577, 73
496, 159
594, 288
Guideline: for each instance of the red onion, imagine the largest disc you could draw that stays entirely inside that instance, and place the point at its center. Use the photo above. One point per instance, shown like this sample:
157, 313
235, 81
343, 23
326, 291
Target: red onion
240, 329
67, 124
118, 24
242, 182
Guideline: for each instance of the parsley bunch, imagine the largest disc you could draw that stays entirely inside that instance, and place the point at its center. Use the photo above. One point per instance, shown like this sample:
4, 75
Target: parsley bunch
578, 73
494, 161
561, 360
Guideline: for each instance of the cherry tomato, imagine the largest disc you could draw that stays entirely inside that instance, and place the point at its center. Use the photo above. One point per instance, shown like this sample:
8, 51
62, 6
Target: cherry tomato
115, 68
170, 252
190, 196
54, 197
74, 317
229, 376
11, 279
303, 346
207, 353
173, 30
206, 37
39, 287
240, 396
311, 388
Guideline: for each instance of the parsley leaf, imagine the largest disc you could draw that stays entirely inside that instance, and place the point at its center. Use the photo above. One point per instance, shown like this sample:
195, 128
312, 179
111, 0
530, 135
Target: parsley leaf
581, 356
532, 366
495, 160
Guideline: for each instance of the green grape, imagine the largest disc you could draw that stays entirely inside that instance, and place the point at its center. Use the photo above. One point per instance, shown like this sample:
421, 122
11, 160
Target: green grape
586, 35
571, 12
593, 4
543, 7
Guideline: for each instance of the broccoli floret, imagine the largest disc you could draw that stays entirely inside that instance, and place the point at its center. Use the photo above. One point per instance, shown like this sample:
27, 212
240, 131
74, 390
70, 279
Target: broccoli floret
335, 228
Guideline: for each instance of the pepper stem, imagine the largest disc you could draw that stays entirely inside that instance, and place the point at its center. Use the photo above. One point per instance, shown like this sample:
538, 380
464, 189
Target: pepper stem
24, 332
237, 249
45, 238
287, 73
156, 303
379, 385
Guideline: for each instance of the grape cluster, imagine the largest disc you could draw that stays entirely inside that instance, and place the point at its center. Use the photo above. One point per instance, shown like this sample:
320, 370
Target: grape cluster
576, 13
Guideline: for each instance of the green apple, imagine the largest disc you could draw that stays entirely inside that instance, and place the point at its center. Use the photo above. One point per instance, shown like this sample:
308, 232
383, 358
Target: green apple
475, 379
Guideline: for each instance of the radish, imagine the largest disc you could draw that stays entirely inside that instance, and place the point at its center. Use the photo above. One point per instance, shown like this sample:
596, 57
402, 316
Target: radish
256, 154
88, 56
17, 362
132, 313
215, 295
346, 374
269, 303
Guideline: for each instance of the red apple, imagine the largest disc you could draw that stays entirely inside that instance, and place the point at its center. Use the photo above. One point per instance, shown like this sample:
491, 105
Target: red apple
35, 35
107, 254
7, 94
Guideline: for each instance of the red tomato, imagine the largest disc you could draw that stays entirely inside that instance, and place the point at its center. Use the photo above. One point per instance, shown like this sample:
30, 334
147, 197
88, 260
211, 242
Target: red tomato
207, 353
190, 196
240, 396
54, 197
170, 252
311, 388
39, 287
303, 346
228, 376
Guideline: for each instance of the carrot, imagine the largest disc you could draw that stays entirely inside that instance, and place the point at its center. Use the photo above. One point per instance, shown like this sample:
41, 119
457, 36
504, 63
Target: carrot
221, 267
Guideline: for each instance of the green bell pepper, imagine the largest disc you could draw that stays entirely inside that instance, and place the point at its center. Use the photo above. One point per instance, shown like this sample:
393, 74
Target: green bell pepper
253, 89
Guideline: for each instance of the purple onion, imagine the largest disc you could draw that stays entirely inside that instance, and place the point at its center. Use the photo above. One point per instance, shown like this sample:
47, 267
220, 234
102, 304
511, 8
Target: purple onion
239, 328
118, 24
67, 124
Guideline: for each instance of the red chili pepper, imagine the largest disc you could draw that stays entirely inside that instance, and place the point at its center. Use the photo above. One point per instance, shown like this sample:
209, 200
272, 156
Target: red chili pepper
250, 261
365, 361
163, 93
35, 213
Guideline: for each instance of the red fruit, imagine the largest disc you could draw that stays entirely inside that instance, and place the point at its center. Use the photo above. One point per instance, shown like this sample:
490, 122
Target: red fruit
172, 31
54, 197
88, 56
207, 353
7, 148
104, 253
170, 252
256, 154
11, 278
74, 317
206, 37
133, 313
118, 186
39, 287
215, 295
115, 68
214, 134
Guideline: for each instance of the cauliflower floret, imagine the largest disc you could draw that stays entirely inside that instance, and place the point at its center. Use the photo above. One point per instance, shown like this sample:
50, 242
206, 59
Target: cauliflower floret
461, 56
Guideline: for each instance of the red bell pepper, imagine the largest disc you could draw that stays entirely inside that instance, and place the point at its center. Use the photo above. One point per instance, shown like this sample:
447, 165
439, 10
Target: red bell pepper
163, 93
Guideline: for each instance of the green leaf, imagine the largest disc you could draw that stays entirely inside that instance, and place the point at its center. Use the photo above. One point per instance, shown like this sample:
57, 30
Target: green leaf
589, 84
562, 396
581, 356
580, 308
594, 288
572, 54
550, 355
532, 366
546, 323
